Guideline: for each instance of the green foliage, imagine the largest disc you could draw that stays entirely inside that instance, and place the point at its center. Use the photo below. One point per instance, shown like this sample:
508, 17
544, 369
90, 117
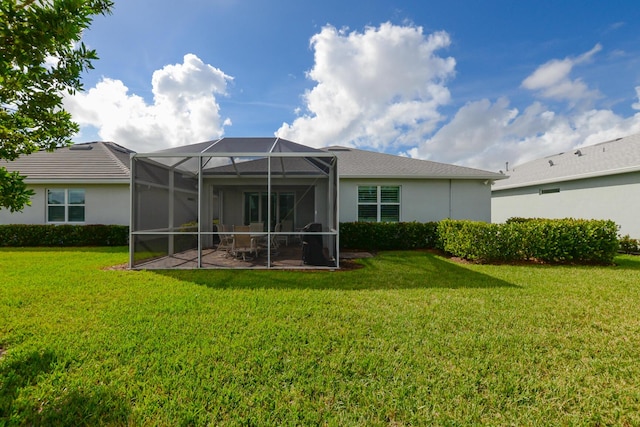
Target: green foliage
40, 60
376, 236
22, 235
558, 241
14, 193
629, 245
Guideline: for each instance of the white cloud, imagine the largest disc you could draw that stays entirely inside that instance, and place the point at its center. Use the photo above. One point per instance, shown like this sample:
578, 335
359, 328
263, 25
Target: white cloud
382, 89
636, 105
184, 109
378, 88
551, 79
486, 135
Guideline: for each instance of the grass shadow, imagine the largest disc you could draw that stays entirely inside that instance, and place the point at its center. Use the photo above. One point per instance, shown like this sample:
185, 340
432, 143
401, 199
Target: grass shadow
97, 406
388, 270
92, 249
627, 262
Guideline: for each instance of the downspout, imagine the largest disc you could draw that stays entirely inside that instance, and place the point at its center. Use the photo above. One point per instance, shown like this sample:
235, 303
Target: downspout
131, 207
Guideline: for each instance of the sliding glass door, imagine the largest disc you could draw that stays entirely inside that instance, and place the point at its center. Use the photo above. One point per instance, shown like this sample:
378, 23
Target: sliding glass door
256, 207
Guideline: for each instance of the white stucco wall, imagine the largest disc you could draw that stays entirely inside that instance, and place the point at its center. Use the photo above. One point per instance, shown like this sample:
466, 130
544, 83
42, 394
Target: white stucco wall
425, 200
104, 204
615, 197
232, 194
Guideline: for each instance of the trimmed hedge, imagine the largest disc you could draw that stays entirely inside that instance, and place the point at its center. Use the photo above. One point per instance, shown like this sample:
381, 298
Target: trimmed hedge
17, 235
557, 241
377, 236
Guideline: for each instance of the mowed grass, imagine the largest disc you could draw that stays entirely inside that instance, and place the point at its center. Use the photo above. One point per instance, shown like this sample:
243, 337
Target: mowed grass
409, 339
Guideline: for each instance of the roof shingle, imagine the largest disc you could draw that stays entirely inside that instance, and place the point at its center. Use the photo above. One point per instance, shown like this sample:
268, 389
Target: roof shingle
617, 156
354, 163
92, 161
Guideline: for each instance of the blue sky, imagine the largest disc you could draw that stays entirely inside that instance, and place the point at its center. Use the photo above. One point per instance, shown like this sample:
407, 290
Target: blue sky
476, 83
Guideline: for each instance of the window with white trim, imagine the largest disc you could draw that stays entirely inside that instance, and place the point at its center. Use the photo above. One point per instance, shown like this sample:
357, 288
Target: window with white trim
65, 205
378, 203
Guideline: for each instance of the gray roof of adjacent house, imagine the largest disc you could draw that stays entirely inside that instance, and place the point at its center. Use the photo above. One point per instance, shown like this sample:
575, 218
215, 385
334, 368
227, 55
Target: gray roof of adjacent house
354, 163
101, 162
621, 155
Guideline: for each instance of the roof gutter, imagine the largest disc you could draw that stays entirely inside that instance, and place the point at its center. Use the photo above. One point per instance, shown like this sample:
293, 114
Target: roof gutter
80, 181
417, 177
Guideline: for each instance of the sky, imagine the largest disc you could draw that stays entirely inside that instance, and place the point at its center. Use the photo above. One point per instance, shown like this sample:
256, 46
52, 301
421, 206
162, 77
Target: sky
473, 83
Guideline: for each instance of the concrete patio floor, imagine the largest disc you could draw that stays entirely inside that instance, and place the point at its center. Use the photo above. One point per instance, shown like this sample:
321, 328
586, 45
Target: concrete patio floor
285, 257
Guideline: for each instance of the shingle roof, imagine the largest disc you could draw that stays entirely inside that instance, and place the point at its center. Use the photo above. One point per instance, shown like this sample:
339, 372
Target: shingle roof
86, 162
354, 163
617, 156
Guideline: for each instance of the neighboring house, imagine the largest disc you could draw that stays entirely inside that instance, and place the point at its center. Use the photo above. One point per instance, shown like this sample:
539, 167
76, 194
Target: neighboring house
81, 184
600, 181
384, 187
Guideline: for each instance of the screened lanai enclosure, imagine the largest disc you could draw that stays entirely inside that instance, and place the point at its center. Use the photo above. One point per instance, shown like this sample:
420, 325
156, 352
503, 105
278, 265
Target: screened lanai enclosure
235, 203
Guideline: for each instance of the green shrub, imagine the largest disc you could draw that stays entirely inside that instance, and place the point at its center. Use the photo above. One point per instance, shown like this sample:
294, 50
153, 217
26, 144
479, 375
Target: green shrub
558, 241
375, 236
629, 245
19, 235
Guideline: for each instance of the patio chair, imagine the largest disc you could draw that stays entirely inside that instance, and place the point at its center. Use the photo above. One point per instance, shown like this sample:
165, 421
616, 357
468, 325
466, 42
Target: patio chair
243, 244
274, 237
256, 227
226, 238
257, 233
287, 227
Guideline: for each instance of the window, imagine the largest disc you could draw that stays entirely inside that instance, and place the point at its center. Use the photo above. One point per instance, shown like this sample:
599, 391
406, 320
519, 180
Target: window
378, 203
65, 205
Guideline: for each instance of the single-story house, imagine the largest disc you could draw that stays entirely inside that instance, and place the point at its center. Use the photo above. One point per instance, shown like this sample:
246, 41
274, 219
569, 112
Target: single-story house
600, 181
197, 189
81, 184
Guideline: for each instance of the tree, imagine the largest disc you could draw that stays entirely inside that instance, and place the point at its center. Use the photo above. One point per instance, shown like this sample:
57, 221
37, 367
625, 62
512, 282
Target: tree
40, 60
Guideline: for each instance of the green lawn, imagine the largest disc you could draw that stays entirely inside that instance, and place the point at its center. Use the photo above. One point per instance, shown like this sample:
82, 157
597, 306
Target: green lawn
410, 339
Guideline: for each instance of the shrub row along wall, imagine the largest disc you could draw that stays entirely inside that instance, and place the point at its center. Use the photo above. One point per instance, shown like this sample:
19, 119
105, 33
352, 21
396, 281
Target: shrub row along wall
375, 236
63, 235
558, 241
